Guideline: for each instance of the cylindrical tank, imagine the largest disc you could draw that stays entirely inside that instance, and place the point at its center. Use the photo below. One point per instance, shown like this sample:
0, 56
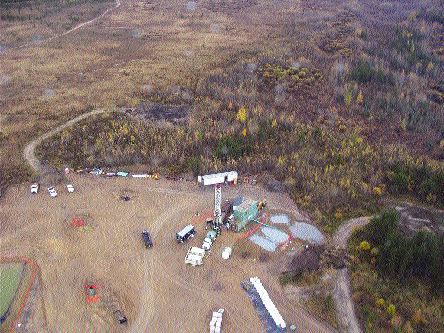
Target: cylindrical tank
226, 253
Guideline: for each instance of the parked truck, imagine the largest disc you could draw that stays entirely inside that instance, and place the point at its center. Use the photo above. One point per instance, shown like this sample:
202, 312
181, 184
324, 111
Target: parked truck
185, 233
146, 237
206, 245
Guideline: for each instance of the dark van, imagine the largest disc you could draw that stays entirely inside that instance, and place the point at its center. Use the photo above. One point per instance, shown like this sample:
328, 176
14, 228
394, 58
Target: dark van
185, 233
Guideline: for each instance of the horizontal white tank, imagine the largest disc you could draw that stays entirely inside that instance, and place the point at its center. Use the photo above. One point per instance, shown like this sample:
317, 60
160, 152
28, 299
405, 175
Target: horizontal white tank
218, 178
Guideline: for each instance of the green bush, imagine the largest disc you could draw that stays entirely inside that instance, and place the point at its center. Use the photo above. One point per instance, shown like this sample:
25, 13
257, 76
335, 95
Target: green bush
399, 180
231, 147
195, 165
290, 278
417, 178
402, 257
381, 227
364, 72
432, 15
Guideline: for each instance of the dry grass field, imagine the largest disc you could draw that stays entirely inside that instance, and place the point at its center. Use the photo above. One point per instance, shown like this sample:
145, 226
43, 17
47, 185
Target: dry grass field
163, 45
26, 22
324, 71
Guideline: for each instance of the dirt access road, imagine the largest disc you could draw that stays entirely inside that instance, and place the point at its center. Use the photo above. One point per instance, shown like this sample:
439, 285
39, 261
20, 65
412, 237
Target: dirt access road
154, 287
29, 151
345, 312
77, 27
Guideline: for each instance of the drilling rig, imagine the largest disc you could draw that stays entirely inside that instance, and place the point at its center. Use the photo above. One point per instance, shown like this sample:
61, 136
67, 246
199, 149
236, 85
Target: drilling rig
217, 180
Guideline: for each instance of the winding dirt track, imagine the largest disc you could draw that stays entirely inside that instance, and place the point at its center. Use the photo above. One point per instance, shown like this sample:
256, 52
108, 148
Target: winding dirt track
345, 311
29, 151
77, 27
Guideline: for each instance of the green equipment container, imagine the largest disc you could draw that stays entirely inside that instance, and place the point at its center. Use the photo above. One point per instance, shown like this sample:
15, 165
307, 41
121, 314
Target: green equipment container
91, 292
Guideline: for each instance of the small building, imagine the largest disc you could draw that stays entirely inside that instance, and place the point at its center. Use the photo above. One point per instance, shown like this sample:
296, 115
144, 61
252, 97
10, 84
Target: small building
245, 211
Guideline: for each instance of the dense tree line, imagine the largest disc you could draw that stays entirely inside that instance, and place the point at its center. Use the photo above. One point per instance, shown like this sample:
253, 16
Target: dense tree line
403, 257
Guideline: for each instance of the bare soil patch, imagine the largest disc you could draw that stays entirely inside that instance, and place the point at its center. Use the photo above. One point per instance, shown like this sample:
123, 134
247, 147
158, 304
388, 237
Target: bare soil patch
147, 285
158, 111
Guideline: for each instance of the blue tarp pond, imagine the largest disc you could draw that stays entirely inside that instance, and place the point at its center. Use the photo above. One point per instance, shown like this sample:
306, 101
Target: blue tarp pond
269, 239
306, 232
279, 219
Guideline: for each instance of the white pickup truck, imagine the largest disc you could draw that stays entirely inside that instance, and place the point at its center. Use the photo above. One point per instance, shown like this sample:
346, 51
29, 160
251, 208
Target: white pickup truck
194, 256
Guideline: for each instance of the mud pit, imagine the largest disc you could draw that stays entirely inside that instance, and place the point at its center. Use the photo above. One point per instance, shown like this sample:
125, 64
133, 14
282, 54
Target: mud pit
155, 289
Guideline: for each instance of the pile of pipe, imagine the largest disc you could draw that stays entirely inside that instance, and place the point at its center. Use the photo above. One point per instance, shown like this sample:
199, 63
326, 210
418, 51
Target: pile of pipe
216, 321
268, 303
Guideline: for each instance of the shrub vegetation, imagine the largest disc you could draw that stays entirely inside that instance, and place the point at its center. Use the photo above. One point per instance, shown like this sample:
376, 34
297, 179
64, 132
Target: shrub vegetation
404, 277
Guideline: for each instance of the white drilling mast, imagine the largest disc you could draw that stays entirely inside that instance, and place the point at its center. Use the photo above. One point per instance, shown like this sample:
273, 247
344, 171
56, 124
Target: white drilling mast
218, 179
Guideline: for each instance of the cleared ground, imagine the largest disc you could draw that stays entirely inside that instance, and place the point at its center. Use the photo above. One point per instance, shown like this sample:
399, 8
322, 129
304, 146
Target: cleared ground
155, 289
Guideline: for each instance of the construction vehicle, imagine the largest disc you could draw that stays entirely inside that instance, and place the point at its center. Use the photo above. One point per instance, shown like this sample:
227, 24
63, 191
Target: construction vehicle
120, 317
209, 223
52, 192
226, 253
227, 210
35, 188
261, 205
212, 234
194, 256
185, 233
91, 295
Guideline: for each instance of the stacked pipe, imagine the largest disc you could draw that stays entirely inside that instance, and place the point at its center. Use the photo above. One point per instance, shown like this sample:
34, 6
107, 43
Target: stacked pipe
268, 303
216, 321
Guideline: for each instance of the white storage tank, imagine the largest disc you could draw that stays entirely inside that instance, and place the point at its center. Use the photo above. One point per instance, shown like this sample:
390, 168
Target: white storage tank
226, 253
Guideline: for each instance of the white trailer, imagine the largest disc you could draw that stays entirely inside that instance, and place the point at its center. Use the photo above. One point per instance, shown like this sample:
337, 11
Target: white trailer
194, 256
218, 179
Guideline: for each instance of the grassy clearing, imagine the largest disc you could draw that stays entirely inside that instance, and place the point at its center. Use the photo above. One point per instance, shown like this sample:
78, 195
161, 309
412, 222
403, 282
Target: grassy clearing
10, 275
318, 298
302, 279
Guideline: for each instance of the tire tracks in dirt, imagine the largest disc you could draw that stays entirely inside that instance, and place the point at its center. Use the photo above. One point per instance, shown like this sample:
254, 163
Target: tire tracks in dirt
146, 311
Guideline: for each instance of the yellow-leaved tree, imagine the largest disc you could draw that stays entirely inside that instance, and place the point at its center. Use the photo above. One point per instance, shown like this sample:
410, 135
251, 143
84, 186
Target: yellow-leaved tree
242, 115
348, 94
360, 97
